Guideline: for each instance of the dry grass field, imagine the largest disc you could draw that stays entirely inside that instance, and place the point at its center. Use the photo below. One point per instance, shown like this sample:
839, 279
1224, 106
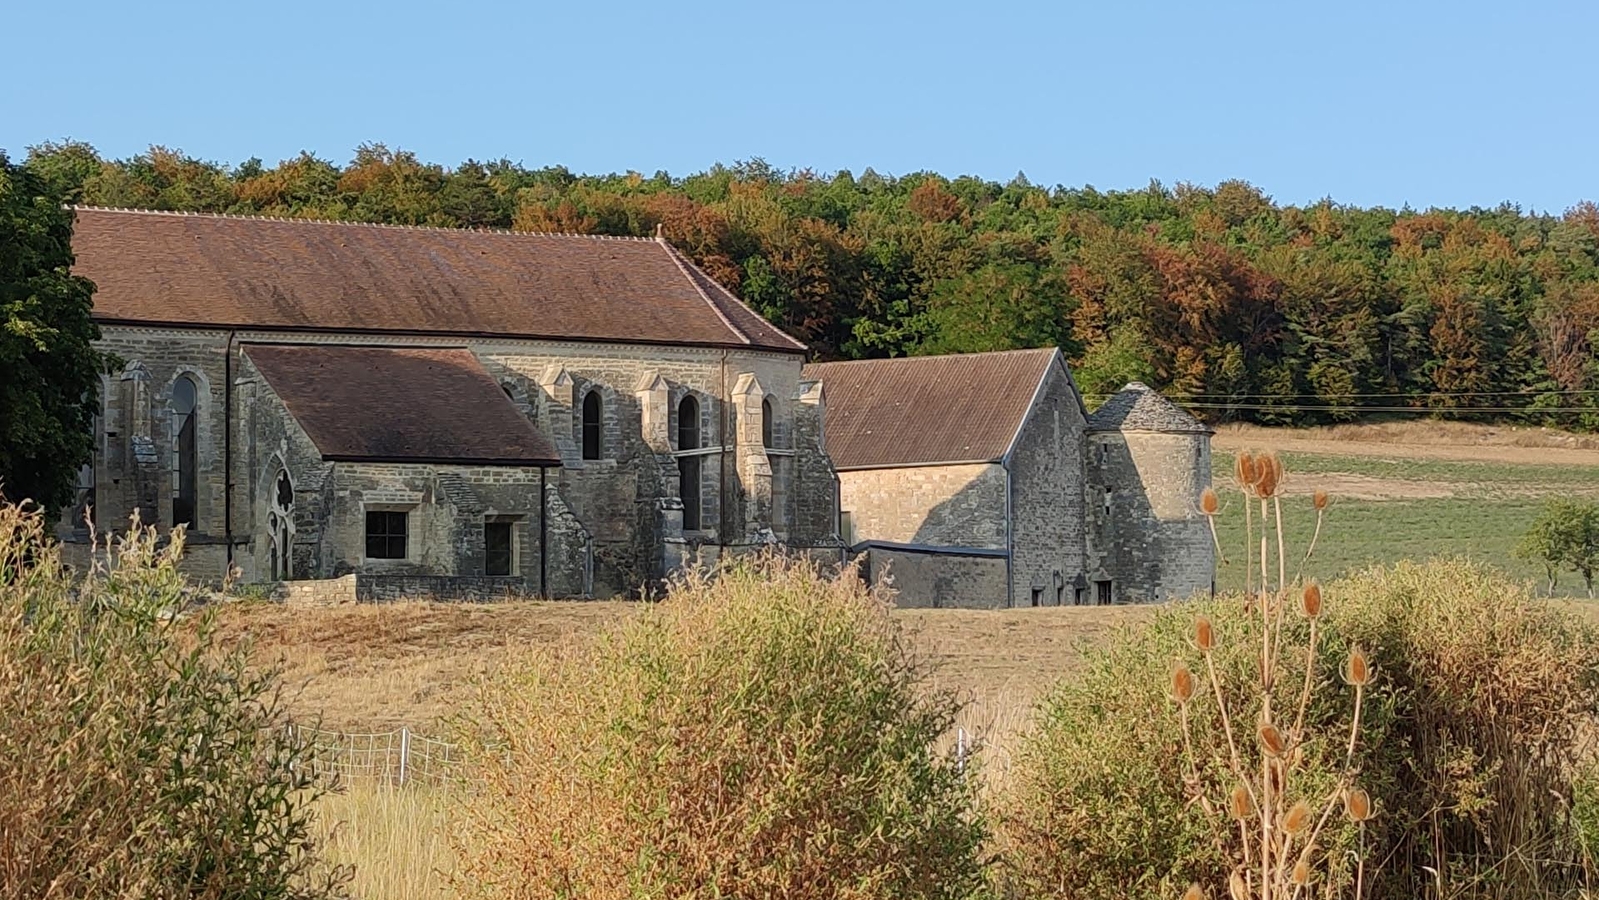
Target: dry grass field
1413, 490
372, 668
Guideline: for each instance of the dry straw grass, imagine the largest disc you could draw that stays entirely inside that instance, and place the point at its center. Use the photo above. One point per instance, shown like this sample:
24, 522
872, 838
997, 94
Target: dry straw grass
768, 733
395, 839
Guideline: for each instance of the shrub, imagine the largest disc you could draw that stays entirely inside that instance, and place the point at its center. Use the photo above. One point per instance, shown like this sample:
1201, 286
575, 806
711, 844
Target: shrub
766, 733
1471, 747
136, 758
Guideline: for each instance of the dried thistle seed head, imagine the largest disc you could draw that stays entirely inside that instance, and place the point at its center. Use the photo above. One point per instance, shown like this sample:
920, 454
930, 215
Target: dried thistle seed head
1209, 503
1268, 475
1301, 874
1194, 892
1357, 805
1240, 804
1238, 885
1357, 669
1310, 601
1319, 499
1271, 739
1204, 634
1296, 819
1244, 470
1182, 683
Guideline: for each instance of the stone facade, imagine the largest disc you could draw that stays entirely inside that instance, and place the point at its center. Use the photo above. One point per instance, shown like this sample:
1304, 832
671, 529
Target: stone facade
1148, 539
598, 527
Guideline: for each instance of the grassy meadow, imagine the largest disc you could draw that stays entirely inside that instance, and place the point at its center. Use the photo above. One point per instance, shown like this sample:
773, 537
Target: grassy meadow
1390, 502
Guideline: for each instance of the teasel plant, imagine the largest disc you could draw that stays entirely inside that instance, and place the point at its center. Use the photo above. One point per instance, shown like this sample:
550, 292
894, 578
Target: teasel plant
1279, 819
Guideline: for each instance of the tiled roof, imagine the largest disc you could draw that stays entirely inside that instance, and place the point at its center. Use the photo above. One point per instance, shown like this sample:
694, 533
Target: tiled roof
1138, 407
387, 404
928, 410
287, 274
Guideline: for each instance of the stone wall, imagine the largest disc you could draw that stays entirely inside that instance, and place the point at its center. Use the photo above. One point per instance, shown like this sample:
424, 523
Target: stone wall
618, 521
134, 456
945, 579
1048, 544
944, 506
1148, 537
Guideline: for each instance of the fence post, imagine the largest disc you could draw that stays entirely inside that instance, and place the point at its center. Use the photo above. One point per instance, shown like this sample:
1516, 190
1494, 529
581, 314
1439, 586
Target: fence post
960, 750
405, 750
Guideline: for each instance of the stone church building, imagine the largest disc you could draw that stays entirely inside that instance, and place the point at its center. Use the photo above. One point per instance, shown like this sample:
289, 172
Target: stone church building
441, 411
383, 411
982, 480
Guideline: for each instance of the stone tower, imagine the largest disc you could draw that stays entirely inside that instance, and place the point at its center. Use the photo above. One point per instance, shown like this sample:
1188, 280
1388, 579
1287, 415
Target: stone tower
1148, 460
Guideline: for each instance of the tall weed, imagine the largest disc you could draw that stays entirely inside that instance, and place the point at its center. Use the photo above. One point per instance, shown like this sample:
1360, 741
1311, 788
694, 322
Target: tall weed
766, 732
136, 759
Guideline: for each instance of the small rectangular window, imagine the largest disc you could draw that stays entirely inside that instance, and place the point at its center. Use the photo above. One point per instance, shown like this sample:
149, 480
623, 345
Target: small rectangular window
385, 534
498, 544
1102, 589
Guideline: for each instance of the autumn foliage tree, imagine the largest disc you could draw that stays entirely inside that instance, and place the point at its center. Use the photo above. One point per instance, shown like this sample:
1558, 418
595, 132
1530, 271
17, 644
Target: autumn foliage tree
1246, 308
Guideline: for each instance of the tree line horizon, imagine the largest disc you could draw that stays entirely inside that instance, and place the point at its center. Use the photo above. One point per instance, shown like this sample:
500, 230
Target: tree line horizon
1242, 308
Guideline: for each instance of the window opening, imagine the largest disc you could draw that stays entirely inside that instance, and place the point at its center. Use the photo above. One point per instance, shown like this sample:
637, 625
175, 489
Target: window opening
498, 546
591, 425
385, 534
185, 487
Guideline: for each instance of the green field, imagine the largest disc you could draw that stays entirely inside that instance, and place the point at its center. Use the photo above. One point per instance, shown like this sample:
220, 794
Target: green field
1406, 509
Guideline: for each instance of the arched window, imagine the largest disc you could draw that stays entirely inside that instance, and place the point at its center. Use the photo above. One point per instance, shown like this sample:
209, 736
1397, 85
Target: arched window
688, 467
591, 425
83, 511
280, 528
766, 422
510, 392
185, 403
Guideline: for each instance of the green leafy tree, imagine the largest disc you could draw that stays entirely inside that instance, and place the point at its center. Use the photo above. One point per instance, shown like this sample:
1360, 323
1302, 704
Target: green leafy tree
1565, 536
49, 370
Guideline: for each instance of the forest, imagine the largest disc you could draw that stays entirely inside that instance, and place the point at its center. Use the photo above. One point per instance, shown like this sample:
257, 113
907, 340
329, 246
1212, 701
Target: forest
1240, 307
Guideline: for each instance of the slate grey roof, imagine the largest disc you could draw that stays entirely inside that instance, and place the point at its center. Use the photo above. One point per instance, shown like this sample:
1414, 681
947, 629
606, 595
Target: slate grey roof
1138, 407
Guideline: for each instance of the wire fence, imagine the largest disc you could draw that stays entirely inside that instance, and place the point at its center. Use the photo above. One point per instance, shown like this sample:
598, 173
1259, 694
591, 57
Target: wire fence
403, 757
386, 757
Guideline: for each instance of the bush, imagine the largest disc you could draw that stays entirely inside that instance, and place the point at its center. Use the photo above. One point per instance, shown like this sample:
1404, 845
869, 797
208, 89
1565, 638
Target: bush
1470, 746
767, 733
137, 759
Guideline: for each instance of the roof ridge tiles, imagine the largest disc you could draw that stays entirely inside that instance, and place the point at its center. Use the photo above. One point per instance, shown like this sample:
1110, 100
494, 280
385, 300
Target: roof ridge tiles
350, 223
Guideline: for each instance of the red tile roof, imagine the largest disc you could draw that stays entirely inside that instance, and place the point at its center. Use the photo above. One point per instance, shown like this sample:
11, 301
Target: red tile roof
928, 410
247, 272
387, 404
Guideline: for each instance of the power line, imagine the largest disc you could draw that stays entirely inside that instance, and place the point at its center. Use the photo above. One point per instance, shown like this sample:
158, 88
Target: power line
1452, 410
1385, 396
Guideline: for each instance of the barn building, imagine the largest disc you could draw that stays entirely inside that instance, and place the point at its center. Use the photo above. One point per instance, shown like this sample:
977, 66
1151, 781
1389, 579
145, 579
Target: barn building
981, 480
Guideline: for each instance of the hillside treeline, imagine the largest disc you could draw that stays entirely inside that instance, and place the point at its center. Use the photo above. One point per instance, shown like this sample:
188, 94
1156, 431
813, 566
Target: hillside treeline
1245, 308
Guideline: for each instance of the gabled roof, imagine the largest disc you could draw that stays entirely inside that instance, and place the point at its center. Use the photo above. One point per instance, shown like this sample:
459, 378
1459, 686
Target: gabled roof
161, 268
1138, 407
928, 410
400, 405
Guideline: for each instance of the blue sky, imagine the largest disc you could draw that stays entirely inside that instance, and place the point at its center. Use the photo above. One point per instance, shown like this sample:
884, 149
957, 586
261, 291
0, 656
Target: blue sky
1446, 104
